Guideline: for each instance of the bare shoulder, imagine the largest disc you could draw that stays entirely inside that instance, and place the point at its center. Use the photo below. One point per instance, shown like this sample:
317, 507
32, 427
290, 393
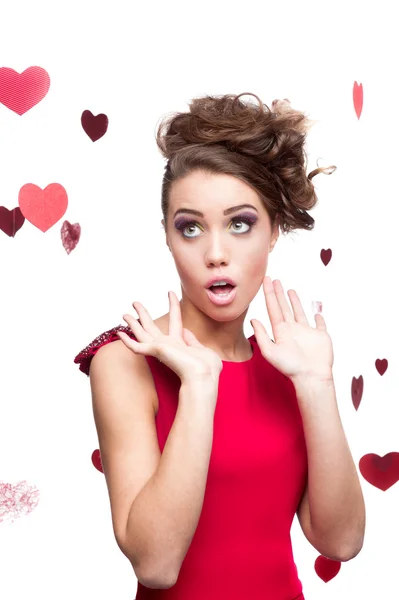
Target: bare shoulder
114, 357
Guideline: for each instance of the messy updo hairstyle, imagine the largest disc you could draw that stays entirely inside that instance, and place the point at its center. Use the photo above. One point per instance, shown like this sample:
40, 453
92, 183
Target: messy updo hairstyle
262, 146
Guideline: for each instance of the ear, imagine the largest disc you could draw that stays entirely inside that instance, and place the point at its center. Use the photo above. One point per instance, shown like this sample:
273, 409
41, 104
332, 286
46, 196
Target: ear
275, 235
163, 225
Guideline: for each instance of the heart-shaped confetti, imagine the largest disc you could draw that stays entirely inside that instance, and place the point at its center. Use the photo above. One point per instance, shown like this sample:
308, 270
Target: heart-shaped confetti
326, 568
381, 472
70, 235
11, 221
17, 500
21, 91
96, 460
381, 365
43, 208
325, 256
358, 98
94, 126
357, 391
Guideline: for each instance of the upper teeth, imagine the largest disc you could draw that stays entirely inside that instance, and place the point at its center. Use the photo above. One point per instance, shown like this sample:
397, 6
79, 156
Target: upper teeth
220, 283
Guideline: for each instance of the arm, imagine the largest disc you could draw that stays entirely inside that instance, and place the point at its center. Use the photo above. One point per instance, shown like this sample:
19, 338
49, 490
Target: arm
332, 510
164, 516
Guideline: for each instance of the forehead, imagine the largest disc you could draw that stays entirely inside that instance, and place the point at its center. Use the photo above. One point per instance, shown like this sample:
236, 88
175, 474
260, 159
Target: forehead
211, 192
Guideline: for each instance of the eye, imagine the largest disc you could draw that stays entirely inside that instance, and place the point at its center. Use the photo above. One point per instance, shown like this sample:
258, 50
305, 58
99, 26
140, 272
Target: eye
183, 224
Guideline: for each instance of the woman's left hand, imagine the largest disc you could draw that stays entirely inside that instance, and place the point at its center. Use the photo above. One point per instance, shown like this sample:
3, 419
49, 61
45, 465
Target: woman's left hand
299, 350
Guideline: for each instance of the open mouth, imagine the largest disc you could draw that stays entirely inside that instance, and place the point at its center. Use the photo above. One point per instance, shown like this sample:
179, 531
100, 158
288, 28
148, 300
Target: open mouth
221, 289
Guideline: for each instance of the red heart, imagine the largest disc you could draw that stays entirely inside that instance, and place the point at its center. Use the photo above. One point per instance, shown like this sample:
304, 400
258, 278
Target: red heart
380, 472
326, 568
21, 91
70, 235
357, 391
11, 221
17, 500
358, 98
43, 208
381, 365
326, 256
96, 460
95, 127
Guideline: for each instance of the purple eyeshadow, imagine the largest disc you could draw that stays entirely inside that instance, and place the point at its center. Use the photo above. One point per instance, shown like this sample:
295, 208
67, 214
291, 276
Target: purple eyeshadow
183, 222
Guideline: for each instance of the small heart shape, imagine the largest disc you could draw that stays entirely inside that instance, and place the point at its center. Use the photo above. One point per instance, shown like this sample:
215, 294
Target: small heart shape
96, 460
21, 91
381, 365
11, 221
358, 98
357, 391
326, 568
70, 235
381, 472
326, 256
95, 127
17, 500
43, 208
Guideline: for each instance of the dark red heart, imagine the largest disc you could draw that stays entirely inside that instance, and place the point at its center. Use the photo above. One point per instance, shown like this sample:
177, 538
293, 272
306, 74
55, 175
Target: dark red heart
357, 391
43, 208
326, 256
95, 127
326, 568
11, 221
96, 460
381, 472
21, 91
381, 365
70, 235
358, 98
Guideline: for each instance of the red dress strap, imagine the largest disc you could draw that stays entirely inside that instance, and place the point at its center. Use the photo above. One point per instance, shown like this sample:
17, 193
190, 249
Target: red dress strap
84, 358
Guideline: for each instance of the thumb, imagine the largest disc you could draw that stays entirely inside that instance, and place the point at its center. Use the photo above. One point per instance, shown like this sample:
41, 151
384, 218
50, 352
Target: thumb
190, 338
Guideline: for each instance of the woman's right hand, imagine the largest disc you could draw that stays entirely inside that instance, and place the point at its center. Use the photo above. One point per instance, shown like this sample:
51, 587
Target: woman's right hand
179, 350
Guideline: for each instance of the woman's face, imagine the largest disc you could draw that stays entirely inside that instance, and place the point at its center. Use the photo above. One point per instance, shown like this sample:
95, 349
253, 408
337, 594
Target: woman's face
234, 245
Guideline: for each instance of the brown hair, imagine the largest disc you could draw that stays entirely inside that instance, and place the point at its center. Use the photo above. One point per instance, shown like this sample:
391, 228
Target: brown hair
261, 146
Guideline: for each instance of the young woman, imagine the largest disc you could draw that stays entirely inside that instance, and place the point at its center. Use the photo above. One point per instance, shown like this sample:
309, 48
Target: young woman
211, 442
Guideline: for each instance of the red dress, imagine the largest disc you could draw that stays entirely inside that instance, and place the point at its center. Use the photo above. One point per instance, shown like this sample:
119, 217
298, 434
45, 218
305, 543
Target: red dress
241, 549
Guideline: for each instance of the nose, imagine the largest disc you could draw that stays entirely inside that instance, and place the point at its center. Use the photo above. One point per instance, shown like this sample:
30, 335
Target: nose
217, 252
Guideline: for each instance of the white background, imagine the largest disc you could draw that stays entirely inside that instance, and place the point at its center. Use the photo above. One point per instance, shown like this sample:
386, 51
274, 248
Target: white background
135, 62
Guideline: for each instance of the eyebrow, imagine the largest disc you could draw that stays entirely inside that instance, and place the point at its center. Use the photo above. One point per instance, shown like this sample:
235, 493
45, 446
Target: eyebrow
197, 213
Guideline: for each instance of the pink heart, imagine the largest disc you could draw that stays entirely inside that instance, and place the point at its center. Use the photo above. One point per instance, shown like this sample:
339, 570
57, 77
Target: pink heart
43, 208
358, 98
17, 500
21, 91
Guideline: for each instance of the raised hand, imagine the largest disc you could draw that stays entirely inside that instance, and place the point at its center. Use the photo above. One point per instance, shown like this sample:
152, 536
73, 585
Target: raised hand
299, 349
179, 349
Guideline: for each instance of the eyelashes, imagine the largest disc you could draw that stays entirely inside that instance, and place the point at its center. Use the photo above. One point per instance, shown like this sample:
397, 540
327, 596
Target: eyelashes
184, 222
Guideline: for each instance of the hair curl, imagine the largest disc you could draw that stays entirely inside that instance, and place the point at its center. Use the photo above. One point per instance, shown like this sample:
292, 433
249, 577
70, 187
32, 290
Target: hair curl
263, 147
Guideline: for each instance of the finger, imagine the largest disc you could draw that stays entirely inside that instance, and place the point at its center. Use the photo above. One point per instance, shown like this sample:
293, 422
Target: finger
136, 347
282, 300
320, 322
272, 304
299, 313
147, 323
137, 329
175, 320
